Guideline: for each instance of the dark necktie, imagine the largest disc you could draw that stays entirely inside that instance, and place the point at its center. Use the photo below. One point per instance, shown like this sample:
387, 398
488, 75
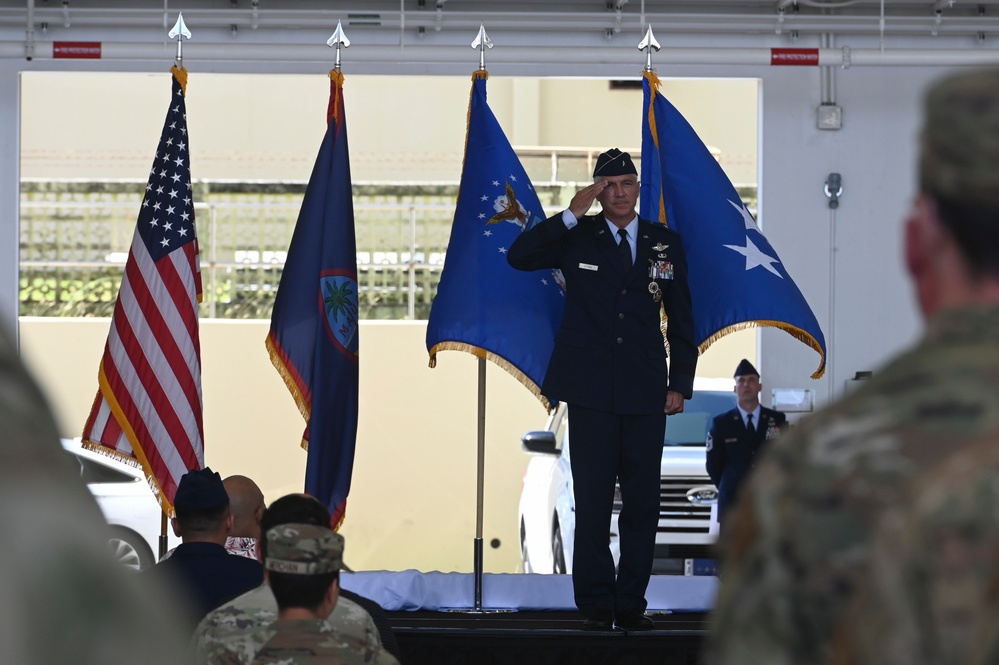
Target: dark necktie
624, 248
749, 422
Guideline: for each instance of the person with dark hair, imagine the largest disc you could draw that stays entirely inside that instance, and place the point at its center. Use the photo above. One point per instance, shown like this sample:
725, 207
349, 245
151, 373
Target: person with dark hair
609, 365
737, 436
246, 502
870, 533
200, 565
302, 564
223, 632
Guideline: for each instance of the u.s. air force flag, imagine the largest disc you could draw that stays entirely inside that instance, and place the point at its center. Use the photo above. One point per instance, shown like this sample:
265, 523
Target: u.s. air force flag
736, 278
483, 306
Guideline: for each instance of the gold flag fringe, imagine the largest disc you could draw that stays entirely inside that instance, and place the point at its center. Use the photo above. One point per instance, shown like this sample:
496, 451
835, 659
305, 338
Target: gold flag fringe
180, 74
336, 95
653, 91
289, 381
793, 331
135, 464
140, 460
476, 75
501, 362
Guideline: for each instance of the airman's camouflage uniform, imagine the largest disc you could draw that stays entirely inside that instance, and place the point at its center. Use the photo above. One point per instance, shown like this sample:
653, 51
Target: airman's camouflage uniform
301, 642
296, 549
226, 628
870, 534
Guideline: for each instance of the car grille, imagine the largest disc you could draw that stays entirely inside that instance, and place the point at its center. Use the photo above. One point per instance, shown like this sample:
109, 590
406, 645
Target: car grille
676, 513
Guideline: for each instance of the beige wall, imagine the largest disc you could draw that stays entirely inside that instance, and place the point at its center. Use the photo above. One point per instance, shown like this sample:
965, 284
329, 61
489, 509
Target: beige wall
412, 501
268, 127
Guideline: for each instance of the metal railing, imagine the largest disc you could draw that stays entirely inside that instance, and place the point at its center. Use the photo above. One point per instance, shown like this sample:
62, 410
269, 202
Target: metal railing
73, 254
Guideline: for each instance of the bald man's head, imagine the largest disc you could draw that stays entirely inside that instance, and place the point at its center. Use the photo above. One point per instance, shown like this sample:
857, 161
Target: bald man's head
246, 502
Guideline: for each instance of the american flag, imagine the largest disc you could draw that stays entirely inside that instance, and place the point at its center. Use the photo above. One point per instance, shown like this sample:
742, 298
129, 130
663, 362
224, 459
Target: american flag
148, 405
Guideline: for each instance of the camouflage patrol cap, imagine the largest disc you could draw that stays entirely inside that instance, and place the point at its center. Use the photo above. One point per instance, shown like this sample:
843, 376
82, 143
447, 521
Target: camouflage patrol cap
303, 549
959, 159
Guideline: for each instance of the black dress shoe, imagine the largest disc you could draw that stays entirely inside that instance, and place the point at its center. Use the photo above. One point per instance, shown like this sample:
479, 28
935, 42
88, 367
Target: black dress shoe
599, 620
633, 621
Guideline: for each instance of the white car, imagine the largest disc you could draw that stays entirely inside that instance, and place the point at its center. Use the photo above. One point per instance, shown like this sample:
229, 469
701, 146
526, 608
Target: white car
128, 505
688, 524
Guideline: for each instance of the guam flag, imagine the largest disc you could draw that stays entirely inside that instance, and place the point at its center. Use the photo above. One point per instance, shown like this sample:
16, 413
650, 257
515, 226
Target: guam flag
483, 306
313, 338
736, 278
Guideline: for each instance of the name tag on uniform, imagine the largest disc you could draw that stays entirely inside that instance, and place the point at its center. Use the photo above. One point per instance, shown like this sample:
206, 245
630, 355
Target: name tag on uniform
731, 440
588, 266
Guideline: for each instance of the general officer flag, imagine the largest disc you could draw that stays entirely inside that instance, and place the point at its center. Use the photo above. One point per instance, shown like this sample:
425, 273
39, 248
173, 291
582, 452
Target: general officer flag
148, 405
736, 278
313, 341
483, 306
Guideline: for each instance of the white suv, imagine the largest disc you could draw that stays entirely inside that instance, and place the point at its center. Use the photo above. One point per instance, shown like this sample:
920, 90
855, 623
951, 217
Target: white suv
128, 505
687, 520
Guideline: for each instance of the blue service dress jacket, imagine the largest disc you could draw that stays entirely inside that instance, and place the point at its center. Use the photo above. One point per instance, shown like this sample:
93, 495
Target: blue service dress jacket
609, 353
206, 576
732, 450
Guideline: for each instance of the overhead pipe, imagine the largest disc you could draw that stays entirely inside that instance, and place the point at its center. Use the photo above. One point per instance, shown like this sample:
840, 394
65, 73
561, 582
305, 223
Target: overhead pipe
29, 42
844, 57
597, 22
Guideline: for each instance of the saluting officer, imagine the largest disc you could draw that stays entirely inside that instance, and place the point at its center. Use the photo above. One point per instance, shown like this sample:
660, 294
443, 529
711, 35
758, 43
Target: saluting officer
609, 366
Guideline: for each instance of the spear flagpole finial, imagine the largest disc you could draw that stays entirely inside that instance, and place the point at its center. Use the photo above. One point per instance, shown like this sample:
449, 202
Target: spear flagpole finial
180, 33
648, 44
482, 42
338, 39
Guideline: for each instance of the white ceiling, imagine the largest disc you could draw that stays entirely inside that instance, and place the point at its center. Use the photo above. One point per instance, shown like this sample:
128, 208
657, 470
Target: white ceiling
424, 36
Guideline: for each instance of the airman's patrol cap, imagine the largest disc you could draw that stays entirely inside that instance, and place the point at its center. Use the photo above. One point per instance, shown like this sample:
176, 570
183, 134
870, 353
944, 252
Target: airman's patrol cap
959, 159
745, 368
614, 162
200, 489
303, 549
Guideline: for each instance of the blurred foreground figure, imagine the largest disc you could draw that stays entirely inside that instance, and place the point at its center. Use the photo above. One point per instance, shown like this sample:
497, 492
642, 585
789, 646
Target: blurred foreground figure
63, 599
870, 534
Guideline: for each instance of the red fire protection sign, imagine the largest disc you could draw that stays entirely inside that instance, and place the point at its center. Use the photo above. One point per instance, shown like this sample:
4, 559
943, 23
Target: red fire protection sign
78, 50
800, 57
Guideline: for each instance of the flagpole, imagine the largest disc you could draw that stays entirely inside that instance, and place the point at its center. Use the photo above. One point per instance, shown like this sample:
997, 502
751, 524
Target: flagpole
648, 44
179, 32
481, 42
336, 40
480, 483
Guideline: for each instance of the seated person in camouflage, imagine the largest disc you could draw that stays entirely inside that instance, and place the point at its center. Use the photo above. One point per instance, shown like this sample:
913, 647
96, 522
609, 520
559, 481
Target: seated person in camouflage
224, 630
302, 567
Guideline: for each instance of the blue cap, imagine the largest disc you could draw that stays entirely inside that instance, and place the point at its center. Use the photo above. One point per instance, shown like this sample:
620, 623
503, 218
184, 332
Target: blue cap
200, 489
614, 162
745, 368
